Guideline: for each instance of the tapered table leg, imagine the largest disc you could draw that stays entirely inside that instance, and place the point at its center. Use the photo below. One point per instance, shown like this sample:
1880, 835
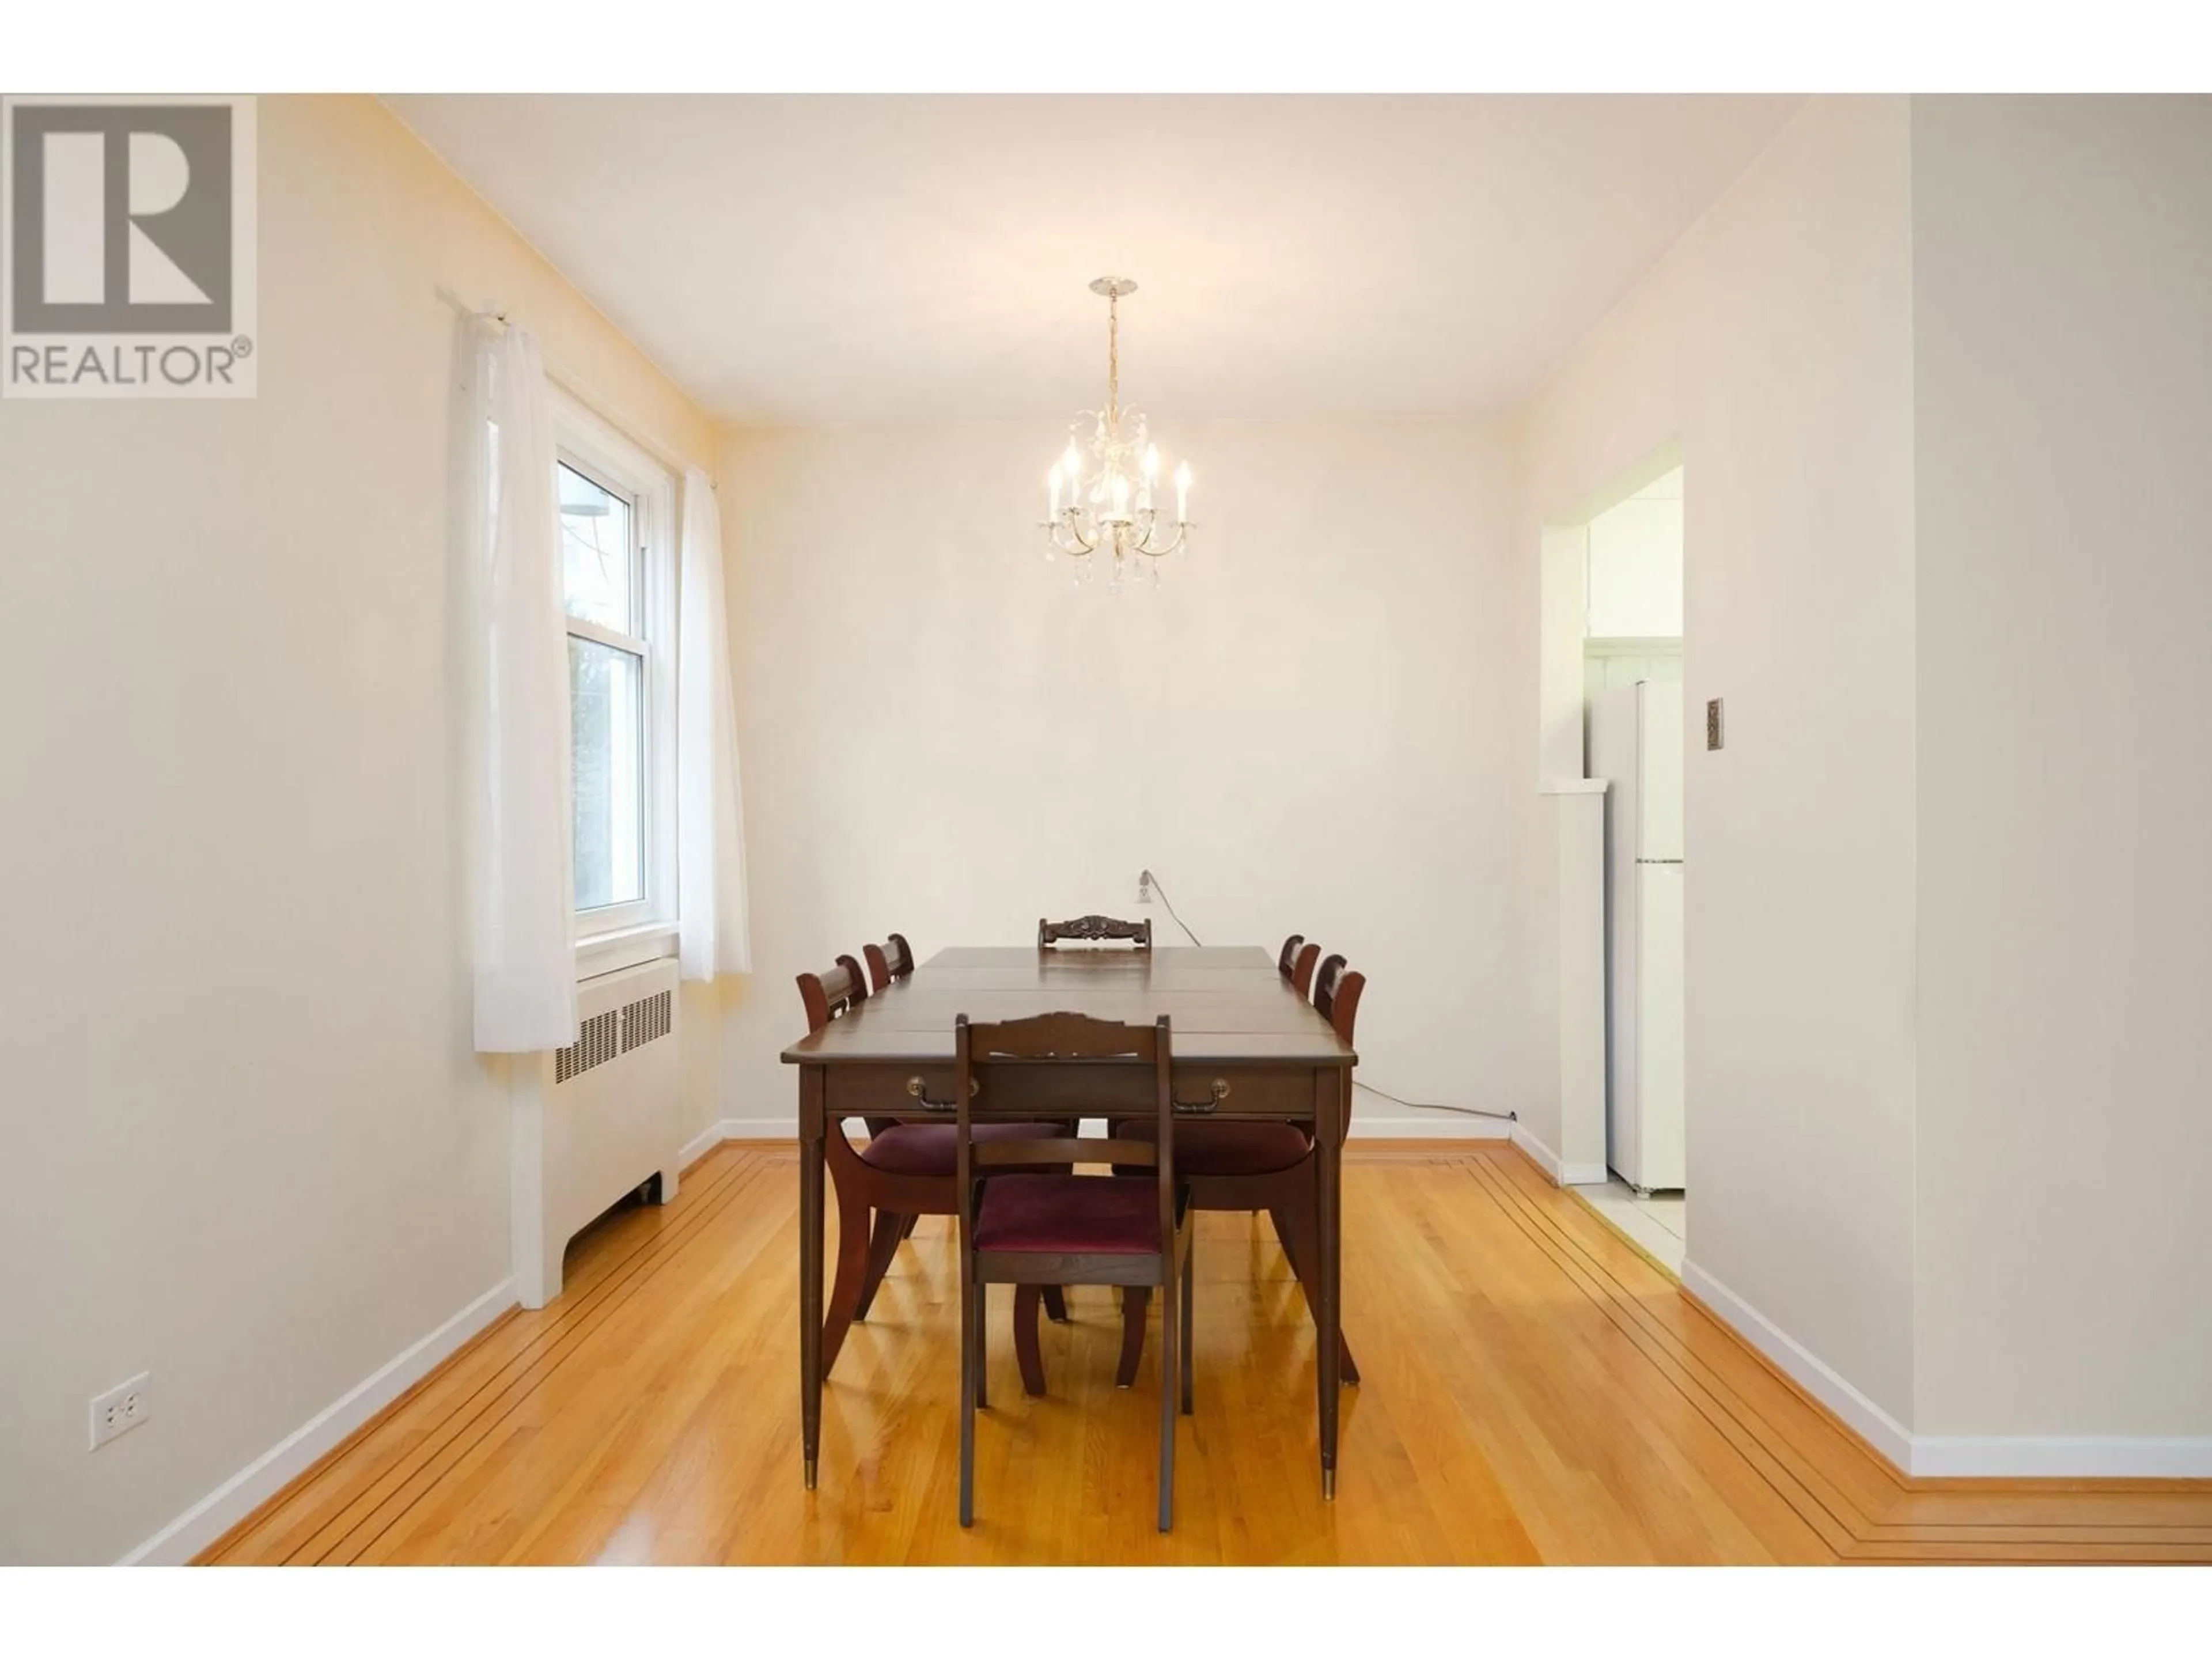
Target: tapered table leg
811, 1079
1330, 1086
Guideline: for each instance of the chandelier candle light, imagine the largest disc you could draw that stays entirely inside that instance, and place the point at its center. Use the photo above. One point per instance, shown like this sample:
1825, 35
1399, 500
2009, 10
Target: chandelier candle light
1101, 488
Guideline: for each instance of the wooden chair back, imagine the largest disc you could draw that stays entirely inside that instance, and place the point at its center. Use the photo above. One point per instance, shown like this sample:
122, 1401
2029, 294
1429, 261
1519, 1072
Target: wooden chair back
1336, 995
1286, 964
891, 960
826, 996
982, 1050
1302, 970
1139, 934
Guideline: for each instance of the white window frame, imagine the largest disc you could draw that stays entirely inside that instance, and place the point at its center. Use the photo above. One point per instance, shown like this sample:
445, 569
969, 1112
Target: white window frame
618, 935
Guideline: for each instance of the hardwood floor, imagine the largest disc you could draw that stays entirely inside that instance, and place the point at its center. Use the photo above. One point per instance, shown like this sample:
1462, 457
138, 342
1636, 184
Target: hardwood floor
1535, 1390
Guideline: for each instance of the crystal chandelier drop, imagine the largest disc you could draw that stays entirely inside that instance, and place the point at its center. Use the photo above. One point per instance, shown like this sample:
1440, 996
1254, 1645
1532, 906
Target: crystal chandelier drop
1102, 487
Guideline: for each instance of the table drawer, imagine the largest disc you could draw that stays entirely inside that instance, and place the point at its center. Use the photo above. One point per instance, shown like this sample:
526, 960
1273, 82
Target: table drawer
1280, 1093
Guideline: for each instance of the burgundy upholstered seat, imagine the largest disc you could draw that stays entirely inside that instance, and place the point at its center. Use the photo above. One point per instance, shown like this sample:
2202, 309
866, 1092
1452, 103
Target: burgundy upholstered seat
1113, 1215
1227, 1149
929, 1149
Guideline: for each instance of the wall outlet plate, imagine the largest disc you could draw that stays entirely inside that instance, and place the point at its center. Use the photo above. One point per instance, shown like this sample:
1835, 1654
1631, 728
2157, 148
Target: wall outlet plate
1144, 887
121, 1409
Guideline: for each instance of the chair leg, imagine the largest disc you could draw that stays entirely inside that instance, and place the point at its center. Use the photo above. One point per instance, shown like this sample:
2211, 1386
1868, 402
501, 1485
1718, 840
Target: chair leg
983, 1346
907, 1231
882, 1245
1134, 1300
967, 1370
1170, 1329
1185, 1304
1026, 1298
1294, 1227
1055, 1304
852, 1271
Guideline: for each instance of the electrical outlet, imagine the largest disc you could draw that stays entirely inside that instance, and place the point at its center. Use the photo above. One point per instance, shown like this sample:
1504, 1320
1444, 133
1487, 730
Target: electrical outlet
1144, 887
121, 1409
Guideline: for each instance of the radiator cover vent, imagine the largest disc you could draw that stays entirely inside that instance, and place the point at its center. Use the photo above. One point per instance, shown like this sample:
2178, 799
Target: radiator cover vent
597, 1043
647, 1019
615, 1032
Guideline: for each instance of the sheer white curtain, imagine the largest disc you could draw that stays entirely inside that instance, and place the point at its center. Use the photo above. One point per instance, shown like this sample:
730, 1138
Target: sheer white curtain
711, 817
526, 918
710, 854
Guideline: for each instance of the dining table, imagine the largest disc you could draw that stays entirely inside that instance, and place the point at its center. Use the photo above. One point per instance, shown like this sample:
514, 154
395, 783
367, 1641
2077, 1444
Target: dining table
1247, 1046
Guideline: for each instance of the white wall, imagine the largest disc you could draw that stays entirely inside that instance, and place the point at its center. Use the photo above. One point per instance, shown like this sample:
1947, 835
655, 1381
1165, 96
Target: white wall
2063, 289
1635, 564
1318, 722
1775, 343
246, 1143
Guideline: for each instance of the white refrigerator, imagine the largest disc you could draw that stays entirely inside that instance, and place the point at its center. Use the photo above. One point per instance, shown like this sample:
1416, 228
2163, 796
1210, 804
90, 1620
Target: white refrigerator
1635, 745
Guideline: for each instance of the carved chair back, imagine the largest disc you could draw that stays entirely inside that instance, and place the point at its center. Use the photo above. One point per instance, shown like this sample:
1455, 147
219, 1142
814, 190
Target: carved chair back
1139, 934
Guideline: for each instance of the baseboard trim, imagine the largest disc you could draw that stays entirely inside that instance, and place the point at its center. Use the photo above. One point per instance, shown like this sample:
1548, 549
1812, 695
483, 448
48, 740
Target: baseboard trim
1538, 1154
701, 1144
294, 1455
1941, 1456
2088, 1457
1888, 1436
1562, 1174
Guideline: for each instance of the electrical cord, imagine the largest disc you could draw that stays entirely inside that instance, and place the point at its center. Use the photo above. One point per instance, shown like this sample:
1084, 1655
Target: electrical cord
1437, 1105
1170, 902
1419, 1105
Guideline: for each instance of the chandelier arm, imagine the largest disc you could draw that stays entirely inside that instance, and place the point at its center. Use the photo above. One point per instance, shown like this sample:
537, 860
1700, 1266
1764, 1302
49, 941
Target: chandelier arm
1174, 546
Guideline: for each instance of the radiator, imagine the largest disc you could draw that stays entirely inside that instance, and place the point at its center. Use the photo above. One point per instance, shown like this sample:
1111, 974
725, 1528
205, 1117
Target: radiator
596, 1120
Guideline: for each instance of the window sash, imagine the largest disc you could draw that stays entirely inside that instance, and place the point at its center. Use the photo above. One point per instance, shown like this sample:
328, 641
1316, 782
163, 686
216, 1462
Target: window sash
587, 445
635, 645
635, 555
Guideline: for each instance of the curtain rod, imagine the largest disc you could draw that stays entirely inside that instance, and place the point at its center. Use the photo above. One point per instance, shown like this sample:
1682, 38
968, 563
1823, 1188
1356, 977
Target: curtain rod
492, 311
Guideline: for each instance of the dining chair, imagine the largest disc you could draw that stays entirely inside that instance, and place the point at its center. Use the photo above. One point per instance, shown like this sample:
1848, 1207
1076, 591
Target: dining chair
888, 963
1139, 934
1287, 962
826, 996
1302, 970
905, 1170
1243, 1167
891, 960
1018, 1226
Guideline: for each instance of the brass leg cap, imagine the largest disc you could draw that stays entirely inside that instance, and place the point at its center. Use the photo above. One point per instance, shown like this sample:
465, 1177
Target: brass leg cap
812, 1469
1328, 1486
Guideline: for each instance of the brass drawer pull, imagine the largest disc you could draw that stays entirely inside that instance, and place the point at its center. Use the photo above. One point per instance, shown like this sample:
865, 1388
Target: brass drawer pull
1219, 1091
919, 1090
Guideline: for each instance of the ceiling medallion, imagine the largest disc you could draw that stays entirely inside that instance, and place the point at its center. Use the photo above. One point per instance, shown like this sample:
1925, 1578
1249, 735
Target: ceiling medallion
1102, 487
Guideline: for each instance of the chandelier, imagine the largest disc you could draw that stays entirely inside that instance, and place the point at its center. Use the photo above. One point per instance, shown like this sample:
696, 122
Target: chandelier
1102, 487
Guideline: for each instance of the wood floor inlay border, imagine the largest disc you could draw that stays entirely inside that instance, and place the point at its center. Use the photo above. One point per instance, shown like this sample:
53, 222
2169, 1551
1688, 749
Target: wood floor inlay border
1600, 1413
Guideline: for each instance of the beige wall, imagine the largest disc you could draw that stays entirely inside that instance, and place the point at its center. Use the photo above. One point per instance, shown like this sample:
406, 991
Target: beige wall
2062, 283
1775, 343
248, 1145
1317, 723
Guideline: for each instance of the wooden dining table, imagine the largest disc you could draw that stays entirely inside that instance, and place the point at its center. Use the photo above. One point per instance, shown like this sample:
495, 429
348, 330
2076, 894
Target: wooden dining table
1247, 1046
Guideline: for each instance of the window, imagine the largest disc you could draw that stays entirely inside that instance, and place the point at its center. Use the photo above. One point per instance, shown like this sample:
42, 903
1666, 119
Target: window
618, 583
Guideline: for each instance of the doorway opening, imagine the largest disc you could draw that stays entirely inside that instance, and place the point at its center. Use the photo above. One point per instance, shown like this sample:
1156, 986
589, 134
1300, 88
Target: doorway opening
1635, 740
1615, 664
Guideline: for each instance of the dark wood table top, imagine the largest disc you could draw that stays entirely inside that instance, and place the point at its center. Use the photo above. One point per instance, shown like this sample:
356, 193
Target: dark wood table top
1227, 1002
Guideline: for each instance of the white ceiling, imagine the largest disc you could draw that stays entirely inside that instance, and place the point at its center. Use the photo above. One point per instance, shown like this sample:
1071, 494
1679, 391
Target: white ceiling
829, 258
